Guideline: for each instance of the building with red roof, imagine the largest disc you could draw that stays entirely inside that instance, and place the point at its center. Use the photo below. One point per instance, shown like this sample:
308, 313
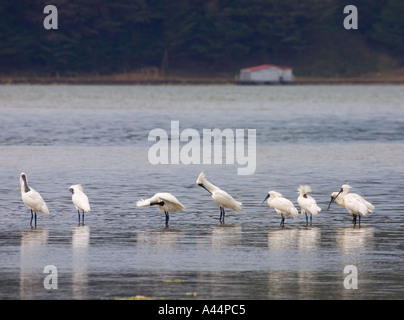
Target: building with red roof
266, 73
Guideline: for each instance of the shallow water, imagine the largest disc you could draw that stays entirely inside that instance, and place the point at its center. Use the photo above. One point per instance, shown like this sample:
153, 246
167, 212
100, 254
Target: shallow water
324, 136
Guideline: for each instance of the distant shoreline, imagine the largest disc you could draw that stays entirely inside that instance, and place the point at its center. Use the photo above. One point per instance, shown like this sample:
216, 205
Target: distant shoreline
156, 79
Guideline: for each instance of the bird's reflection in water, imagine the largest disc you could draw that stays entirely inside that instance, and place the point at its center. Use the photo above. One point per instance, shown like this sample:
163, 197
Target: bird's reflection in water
309, 238
351, 239
32, 254
293, 255
283, 238
226, 235
289, 238
80, 243
165, 239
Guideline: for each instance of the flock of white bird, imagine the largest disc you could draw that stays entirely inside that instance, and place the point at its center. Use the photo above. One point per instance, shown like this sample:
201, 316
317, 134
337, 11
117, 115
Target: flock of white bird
166, 202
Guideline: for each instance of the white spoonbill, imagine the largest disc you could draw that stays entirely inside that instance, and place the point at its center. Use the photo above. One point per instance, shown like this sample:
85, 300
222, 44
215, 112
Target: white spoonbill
32, 199
165, 202
307, 203
80, 200
219, 196
282, 206
353, 202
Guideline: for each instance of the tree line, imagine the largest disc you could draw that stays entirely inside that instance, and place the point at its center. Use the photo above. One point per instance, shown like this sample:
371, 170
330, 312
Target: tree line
103, 36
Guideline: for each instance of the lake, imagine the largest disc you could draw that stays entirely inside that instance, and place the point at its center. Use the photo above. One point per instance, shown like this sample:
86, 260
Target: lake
98, 136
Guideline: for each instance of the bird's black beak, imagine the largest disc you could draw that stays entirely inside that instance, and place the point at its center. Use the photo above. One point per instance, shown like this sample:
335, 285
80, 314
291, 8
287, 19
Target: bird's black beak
161, 203
265, 199
329, 205
71, 190
201, 185
24, 179
333, 199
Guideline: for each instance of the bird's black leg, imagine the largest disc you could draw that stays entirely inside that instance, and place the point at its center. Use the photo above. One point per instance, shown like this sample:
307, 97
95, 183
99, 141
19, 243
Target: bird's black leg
78, 213
221, 219
311, 219
32, 216
82, 219
307, 220
359, 221
223, 215
167, 217
354, 220
282, 221
35, 219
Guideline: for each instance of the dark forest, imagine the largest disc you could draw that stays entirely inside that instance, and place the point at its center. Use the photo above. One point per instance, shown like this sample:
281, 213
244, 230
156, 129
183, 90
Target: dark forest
206, 36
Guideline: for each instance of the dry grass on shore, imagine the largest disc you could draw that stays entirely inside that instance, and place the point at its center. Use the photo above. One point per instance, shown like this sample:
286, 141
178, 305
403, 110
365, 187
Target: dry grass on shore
153, 76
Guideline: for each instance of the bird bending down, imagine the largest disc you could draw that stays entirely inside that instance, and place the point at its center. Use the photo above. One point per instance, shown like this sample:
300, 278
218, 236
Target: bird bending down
354, 203
219, 196
164, 201
307, 203
32, 199
80, 200
282, 206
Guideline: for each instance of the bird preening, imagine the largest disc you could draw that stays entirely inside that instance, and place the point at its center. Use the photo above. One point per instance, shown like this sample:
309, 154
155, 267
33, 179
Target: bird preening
354, 203
219, 196
164, 201
32, 199
80, 201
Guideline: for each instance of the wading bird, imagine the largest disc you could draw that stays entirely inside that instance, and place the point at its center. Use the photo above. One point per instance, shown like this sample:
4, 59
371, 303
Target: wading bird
164, 201
282, 206
219, 196
353, 202
307, 203
80, 200
32, 199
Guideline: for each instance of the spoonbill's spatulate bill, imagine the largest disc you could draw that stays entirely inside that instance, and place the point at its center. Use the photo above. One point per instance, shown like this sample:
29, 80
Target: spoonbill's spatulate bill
80, 200
307, 203
164, 201
32, 199
219, 196
354, 203
282, 206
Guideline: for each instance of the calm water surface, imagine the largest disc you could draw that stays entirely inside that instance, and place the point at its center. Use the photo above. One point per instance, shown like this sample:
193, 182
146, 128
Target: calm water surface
324, 136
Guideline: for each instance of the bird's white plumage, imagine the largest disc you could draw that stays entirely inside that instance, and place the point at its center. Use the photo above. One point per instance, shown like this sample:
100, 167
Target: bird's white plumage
223, 199
219, 196
171, 203
307, 203
355, 205
31, 198
79, 198
281, 205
